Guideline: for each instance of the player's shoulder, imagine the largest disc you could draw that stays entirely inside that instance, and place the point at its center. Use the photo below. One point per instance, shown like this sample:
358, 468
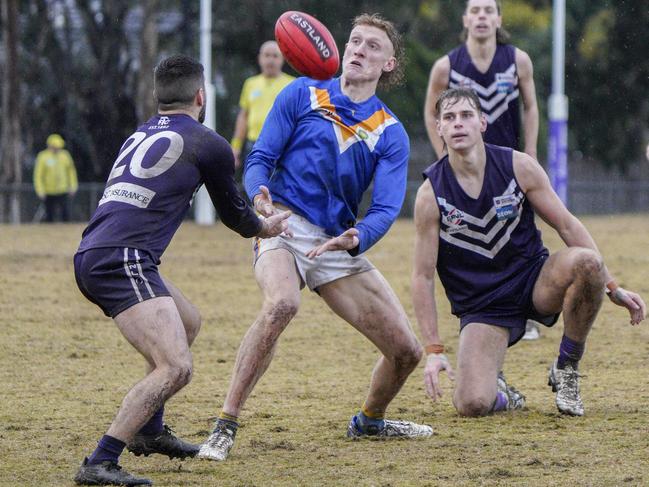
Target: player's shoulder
389, 122
521, 57
211, 147
200, 136
441, 68
426, 209
211, 137
527, 170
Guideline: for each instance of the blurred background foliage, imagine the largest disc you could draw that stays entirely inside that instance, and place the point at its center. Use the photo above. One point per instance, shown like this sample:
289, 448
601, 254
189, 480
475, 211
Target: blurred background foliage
84, 67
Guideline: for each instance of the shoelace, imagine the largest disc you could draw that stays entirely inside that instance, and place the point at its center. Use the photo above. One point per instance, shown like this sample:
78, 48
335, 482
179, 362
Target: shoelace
222, 438
571, 380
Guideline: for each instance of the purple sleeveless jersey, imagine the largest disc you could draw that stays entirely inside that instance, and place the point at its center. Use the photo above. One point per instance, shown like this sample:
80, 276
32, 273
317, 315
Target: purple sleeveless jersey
486, 245
497, 90
152, 183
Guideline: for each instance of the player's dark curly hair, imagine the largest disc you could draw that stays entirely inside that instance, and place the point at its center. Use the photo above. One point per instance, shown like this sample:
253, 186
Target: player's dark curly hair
454, 95
176, 80
502, 36
395, 77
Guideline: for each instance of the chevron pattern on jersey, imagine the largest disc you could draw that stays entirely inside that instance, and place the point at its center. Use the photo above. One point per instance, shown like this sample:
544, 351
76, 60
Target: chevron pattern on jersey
368, 130
494, 102
483, 235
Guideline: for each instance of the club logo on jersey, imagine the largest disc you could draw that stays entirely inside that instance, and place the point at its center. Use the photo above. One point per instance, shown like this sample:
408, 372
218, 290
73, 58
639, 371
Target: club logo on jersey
506, 206
163, 123
454, 220
505, 82
368, 131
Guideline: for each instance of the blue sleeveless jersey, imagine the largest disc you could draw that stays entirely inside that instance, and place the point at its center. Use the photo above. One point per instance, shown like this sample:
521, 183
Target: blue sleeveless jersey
485, 244
497, 90
154, 178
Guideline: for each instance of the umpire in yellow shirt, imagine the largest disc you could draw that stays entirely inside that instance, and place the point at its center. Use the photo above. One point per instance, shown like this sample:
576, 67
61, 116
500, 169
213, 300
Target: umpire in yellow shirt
55, 178
257, 97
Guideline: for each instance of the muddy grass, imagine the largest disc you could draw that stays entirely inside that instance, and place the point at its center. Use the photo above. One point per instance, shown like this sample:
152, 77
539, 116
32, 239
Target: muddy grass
64, 369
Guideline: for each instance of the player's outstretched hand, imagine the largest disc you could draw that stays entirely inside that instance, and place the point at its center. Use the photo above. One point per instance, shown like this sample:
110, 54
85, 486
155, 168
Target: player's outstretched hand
345, 241
631, 301
264, 203
435, 363
275, 225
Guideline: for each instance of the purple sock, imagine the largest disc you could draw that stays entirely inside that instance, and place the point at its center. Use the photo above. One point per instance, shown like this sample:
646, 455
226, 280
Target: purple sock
500, 404
570, 351
108, 448
154, 425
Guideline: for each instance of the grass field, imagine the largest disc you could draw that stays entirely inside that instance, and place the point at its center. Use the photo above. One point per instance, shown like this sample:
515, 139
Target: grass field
64, 369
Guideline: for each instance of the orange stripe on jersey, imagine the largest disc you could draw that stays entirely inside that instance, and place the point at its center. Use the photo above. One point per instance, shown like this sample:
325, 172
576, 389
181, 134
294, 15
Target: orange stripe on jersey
377, 119
321, 101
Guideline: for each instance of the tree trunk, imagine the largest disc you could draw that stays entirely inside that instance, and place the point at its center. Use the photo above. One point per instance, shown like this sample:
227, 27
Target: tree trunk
146, 106
10, 155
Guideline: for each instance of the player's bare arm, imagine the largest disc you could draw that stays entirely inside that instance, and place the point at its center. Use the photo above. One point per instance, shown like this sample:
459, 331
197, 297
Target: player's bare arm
437, 83
527, 89
423, 286
550, 208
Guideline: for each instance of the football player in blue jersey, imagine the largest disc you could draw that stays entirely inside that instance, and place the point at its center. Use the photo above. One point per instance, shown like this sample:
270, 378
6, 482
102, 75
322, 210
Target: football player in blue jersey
147, 195
500, 74
321, 146
474, 217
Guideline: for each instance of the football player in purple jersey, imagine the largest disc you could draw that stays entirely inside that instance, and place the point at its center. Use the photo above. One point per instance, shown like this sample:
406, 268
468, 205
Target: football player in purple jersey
501, 74
148, 193
474, 217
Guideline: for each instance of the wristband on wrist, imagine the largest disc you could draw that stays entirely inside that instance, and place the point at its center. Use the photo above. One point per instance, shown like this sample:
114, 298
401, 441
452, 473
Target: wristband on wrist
435, 348
611, 287
236, 143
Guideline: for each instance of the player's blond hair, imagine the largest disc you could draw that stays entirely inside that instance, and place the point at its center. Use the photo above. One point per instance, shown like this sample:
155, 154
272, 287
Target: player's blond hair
395, 77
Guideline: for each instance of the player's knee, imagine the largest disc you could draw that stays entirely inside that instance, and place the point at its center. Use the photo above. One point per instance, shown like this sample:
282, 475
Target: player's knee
407, 358
590, 267
180, 371
282, 310
472, 406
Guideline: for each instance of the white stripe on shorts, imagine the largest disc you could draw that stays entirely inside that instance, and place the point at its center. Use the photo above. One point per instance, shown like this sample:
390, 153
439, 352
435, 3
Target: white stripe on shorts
146, 281
128, 273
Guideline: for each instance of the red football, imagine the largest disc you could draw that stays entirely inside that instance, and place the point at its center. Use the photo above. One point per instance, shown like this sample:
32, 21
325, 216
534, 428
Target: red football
307, 45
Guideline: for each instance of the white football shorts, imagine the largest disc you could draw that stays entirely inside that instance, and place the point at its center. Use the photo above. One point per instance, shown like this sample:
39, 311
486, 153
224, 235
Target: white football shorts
324, 269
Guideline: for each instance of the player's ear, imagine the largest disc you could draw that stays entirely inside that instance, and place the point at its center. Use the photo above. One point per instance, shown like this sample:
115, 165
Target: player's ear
390, 65
483, 123
200, 97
